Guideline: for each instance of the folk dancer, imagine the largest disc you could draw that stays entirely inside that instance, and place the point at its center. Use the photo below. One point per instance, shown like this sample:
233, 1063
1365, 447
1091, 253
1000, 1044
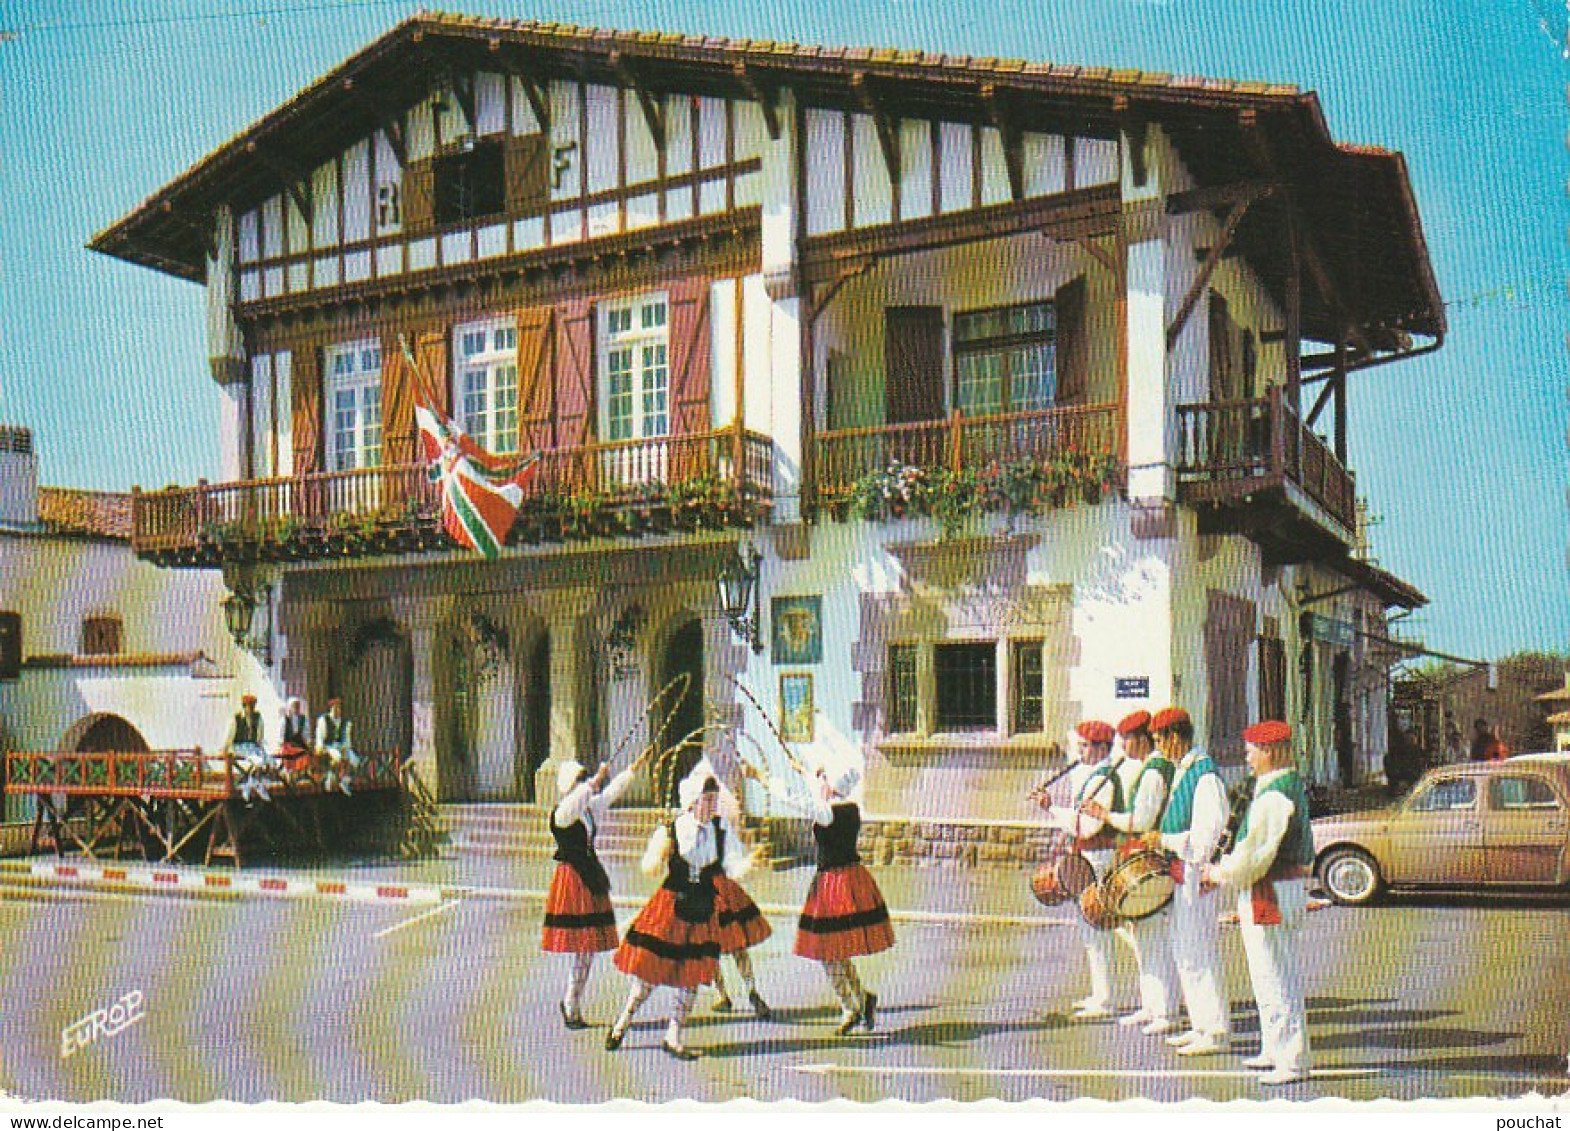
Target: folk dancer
294, 750
1191, 827
334, 743
738, 924
1269, 866
844, 917
1094, 780
671, 942
578, 916
244, 745
1149, 936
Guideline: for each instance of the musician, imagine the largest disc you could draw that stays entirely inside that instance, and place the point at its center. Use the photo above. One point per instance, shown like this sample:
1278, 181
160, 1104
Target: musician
333, 742
671, 942
1191, 827
578, 916
844, 917
738, 924
1094, 780
1148, 936
244, 744
1269, 867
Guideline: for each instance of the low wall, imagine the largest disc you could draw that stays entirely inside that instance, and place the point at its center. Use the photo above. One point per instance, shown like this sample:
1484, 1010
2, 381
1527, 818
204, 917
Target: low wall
919, 843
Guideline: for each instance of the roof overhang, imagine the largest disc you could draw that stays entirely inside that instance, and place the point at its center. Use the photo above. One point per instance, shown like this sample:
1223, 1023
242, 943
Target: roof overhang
1356, 205
1395, 593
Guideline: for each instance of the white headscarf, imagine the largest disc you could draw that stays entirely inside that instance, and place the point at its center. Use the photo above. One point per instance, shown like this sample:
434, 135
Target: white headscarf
567, 776
728, 806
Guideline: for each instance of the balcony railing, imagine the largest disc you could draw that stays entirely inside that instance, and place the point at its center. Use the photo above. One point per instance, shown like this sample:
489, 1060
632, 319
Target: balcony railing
1232, 449
845, 456
576, 492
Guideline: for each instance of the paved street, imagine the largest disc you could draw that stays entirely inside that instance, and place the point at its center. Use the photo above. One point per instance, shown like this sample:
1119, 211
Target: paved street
251, 999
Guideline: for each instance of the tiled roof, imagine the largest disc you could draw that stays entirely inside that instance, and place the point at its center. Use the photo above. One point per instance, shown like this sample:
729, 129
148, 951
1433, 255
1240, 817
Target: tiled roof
99, 514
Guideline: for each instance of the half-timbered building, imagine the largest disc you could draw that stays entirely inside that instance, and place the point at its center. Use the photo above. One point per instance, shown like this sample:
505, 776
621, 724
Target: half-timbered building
1028, 382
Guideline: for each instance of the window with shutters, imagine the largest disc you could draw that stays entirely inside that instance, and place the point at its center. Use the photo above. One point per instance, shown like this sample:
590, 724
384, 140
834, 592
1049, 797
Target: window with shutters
487, 381
1005, 359
354, 405
967, 685
101, 636
634, 372
470, 184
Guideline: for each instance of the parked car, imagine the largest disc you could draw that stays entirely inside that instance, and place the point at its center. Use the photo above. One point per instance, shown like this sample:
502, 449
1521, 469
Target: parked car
1472, 826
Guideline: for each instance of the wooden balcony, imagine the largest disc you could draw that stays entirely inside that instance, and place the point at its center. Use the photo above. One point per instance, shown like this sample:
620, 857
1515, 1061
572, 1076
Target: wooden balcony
627, 488
1253, 468
845, 456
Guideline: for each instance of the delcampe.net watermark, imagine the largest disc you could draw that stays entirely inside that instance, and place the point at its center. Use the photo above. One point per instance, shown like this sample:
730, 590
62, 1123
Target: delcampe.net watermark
100, 1023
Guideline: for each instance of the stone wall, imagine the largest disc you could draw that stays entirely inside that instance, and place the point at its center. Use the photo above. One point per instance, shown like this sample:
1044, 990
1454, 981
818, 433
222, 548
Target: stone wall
961, 844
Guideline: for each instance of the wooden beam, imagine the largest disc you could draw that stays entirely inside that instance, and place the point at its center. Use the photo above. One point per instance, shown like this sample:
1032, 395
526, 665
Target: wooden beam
1293, 342
531, 90
652, 105
1106, 258
1338, 386
765, 96
390, 122
1002, 117
1319, 404
1206, 270
1212, 197
295, 183
887, 127
849, 271
1138, 131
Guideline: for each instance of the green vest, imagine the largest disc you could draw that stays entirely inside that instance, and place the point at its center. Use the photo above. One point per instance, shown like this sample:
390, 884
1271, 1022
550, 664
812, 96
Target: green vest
1297, 846
1165, 770
1180, 806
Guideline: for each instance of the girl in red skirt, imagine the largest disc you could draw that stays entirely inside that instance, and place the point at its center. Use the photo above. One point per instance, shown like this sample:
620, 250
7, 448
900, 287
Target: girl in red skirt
738, 924
672, 941
844, 916
578, 916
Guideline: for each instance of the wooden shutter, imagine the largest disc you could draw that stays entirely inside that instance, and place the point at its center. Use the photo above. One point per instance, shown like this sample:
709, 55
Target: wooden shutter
305, 377
527, 171
690, 356
431, 353
397, 404
419, 197
536, 400
1223, 365
1072, 342
1229, 625
575, 373
913, 363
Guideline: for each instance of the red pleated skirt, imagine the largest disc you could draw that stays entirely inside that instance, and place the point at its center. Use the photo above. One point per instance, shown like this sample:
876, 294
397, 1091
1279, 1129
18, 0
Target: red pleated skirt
739, 922
844, 916
666, 950
576, 920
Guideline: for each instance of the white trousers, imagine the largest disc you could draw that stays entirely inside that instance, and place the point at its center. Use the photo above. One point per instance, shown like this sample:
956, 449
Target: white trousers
1098, 944
1150, 940
1196, 951
1275, 969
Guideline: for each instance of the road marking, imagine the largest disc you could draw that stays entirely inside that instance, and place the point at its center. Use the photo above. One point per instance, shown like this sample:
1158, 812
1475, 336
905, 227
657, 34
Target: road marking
1073, 1073
384, 932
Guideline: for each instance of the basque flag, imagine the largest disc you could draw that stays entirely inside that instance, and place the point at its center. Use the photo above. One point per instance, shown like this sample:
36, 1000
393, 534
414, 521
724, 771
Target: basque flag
481, 492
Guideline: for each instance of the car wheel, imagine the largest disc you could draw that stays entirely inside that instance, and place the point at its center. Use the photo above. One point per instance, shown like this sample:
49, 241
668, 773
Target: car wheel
1350, 876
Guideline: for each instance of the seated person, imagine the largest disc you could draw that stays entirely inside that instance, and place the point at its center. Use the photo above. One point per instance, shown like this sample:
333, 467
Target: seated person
334, 744
294, 752
253, 765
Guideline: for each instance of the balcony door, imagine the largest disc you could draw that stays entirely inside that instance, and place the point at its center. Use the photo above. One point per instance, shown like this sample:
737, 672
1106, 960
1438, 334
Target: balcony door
635, 386
354, 424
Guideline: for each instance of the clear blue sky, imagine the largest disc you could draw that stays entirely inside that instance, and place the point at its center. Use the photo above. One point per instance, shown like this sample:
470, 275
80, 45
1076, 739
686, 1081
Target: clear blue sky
1463, 454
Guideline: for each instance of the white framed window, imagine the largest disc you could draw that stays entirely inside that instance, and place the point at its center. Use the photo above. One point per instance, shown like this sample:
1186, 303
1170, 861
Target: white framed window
487, 380
354, 405
634, 375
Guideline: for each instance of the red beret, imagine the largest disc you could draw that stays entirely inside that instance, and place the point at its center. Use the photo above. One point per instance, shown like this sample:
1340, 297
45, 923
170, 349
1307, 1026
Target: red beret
1267, 733
1170, 717
1094, 730
248, 699
1133, 724
335, 702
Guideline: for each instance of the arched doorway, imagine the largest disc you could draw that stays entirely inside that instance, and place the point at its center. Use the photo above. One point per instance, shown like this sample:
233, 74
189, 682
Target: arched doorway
536, 715
683, 653
376, 683
105, 734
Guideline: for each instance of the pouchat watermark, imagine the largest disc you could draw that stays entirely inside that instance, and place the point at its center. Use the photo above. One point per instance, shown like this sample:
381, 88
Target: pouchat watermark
100, 1023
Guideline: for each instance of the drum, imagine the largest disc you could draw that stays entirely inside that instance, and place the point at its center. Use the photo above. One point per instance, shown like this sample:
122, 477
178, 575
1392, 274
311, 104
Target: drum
1139, 886
1093, 906
1062, 878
